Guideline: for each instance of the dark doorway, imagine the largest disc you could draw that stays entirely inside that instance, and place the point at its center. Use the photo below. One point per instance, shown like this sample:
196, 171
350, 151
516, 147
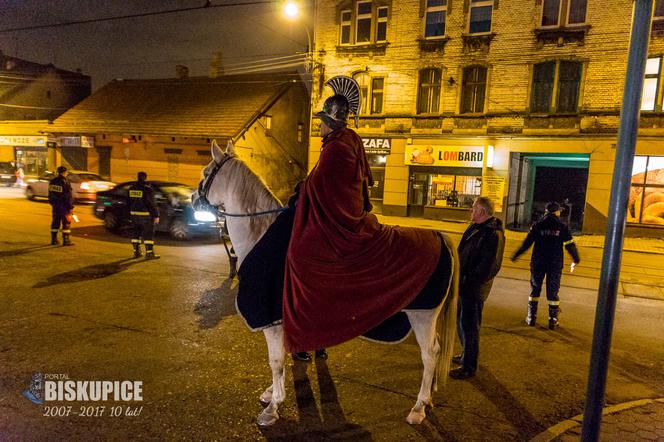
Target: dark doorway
566, 186
417, 194
104, 153
75, 157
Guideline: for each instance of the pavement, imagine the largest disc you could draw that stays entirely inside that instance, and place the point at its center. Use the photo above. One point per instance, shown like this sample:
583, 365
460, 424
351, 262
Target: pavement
93, 314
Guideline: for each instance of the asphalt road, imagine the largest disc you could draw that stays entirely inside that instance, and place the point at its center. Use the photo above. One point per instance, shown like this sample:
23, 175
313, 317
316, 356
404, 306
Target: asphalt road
91, 313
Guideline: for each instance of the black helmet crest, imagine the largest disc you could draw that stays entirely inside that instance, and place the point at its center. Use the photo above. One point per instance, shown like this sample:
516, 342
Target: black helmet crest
346, 99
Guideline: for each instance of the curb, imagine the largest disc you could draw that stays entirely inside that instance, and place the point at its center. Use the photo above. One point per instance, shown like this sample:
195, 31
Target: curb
558, 429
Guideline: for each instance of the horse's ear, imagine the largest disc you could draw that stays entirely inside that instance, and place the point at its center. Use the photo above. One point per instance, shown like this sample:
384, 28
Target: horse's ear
230, 149
217, 153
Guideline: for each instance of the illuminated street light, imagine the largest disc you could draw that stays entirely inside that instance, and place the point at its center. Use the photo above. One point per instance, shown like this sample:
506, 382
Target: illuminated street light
291, 10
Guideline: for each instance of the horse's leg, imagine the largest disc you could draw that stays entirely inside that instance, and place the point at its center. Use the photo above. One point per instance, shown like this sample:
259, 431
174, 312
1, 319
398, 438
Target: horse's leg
424, 326
275, 394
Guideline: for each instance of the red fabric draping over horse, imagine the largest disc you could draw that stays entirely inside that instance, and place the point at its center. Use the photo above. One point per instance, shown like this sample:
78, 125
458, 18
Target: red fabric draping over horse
345, 272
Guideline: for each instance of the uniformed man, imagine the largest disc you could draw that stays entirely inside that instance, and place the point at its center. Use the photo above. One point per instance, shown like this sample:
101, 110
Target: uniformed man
62, 201
549, 235
144, 215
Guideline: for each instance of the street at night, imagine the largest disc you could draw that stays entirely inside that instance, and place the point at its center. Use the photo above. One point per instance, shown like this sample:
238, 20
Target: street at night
93, 313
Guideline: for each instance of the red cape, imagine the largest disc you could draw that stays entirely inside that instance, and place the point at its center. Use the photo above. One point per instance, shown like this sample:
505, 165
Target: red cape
345, 272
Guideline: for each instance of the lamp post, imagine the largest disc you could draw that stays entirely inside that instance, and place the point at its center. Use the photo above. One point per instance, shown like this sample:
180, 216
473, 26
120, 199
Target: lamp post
292, 11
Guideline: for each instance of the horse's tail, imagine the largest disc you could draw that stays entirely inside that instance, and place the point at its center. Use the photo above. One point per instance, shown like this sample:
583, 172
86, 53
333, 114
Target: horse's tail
446, 327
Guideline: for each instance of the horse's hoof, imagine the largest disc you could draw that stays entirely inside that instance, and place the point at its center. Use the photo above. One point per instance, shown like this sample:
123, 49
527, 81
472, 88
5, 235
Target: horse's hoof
267, 419
266, 398
416, 417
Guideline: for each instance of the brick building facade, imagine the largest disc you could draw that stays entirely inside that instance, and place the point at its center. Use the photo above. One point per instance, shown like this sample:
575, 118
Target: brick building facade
468, 97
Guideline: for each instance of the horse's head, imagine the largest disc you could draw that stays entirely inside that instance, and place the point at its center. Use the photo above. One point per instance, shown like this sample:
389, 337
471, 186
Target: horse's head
207, 196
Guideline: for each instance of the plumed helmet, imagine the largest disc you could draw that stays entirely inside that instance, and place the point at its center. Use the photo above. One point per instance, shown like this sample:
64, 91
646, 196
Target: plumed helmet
346, 99
61, 169
552, 207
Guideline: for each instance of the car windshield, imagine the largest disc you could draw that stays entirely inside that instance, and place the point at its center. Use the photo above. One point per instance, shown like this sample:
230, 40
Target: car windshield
6, 168
88, 177
180, 191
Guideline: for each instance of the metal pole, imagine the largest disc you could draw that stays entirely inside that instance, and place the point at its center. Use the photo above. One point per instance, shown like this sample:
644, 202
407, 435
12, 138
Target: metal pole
622, 170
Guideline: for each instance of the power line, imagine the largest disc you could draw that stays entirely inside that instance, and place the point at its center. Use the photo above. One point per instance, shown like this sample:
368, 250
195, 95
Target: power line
207, 5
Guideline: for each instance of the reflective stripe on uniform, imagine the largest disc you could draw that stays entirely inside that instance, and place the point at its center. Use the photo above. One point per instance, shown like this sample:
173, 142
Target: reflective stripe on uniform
54, 188
135, 194
531, 299
54, 230
571, 241
148, 241
554, 302
66, 231
136, 241
139, 213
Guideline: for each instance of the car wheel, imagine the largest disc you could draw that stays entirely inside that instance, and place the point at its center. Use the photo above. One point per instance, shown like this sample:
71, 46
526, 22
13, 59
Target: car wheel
111, 221
29, 193
179, 230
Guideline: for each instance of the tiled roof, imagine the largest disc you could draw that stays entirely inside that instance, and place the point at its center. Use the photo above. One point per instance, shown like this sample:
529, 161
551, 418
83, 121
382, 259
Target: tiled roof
24, 127
197, 106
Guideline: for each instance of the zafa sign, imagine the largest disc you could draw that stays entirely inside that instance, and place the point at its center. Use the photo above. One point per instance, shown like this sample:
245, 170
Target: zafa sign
377, 145
450, 156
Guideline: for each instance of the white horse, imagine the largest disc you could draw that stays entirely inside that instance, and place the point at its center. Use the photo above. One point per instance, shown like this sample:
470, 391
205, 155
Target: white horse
229, 183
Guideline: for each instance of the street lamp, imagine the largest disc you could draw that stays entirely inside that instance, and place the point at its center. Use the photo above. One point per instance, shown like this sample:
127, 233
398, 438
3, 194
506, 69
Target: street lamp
292, 11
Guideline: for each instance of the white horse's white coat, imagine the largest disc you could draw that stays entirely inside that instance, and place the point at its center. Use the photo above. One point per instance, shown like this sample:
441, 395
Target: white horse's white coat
245, 233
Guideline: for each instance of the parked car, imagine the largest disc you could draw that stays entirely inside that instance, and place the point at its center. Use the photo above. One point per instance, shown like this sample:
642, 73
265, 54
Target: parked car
7, 173
176, 215
84, 185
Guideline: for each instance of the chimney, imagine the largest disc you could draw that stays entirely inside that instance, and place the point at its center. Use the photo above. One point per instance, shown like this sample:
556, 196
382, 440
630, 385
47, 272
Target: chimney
181, 71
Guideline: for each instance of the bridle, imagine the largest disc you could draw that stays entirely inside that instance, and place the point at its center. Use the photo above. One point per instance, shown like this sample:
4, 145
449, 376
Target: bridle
204, 188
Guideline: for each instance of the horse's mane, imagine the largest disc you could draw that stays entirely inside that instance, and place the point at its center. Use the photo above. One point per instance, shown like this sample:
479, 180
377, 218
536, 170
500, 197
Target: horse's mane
252, 193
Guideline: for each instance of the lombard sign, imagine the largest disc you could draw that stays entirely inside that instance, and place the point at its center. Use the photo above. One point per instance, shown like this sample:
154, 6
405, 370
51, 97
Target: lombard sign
447, 156
19, 140
377, 145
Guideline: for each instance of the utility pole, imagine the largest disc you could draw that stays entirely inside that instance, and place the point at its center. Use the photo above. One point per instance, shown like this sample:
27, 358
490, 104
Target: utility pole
615, 231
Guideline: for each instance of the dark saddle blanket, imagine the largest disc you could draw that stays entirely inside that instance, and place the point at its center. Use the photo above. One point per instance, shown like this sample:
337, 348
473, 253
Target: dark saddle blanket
260, 292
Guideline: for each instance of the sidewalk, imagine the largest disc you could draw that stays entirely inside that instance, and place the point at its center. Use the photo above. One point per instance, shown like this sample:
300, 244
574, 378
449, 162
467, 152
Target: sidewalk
637, 420
642, 271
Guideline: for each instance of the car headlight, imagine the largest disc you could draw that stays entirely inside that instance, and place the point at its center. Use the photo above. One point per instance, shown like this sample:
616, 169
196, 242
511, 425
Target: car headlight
204, 216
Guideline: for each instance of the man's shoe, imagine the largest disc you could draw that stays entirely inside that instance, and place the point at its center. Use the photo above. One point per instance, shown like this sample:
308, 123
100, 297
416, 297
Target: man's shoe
553, 324
530, 321
54, 242
457, 359
302, 356
67, 243
149, 256
137, 254
322, 353
461, 373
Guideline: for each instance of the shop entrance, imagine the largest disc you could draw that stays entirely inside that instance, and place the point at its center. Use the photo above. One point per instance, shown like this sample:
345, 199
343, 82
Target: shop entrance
33, 160
417, 194
75, 157
536, 179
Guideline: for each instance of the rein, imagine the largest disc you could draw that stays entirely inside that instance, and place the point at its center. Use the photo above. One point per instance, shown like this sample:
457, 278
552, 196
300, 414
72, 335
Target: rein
205, 185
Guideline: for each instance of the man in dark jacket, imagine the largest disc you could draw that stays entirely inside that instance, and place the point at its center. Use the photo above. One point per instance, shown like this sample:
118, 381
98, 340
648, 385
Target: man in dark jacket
480, 256
62, 201
549, 236
144, 215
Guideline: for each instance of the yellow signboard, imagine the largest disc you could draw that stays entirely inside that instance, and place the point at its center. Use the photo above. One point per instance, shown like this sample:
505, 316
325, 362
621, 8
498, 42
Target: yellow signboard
493, 186
450, 156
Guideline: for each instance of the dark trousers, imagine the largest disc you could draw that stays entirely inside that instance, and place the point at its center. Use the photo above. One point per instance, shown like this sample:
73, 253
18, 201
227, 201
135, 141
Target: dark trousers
537, 276
59, 218
143, 227
469, 319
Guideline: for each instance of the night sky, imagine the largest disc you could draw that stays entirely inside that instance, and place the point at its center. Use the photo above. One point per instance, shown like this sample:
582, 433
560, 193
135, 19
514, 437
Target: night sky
146, 47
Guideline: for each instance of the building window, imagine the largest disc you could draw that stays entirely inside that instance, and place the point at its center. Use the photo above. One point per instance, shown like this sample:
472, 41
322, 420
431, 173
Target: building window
372, 93
658, 14
646, 197
434, 18
345, 27
480, 16
428, 97
377, 85
453, 190
381, 24
651, 84
473, 89
559, 79
560, 13
363, 24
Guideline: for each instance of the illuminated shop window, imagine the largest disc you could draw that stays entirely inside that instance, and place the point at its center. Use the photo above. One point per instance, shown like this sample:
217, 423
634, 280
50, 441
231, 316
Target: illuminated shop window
646, 197
651, 84
454, 190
